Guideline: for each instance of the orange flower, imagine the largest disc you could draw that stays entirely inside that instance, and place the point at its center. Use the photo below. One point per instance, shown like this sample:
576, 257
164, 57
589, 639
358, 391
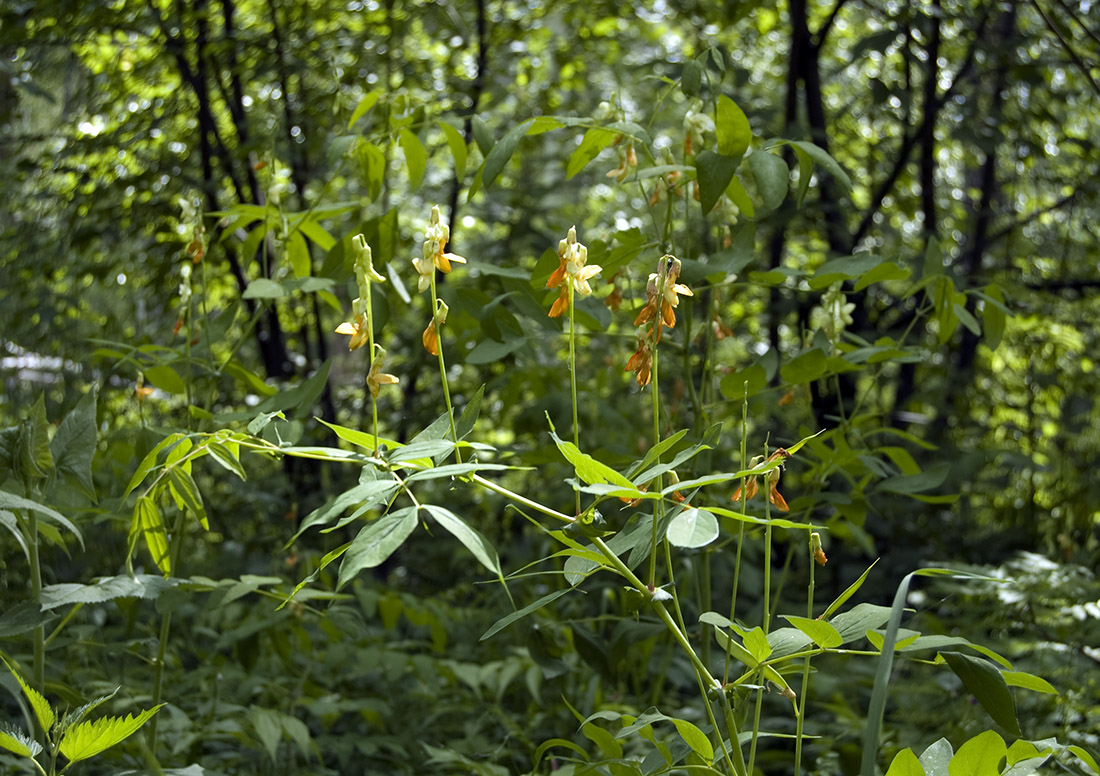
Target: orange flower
641, 363
751, 487
663, 293
357, 328
573, 271
815, 549
430, 337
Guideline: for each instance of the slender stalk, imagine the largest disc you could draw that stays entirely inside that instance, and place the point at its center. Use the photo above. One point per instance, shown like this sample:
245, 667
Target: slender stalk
38, 675
165, 629
741, 527
573, 377
370, 344
655, 397
443, 374
521, 499
805, 681
756, 726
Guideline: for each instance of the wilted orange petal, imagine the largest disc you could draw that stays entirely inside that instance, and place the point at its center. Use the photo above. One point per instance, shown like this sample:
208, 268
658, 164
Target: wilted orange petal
431, 339
777, 499
668, 315
557, 277
750, 490
561, 304
819, 557
646, 314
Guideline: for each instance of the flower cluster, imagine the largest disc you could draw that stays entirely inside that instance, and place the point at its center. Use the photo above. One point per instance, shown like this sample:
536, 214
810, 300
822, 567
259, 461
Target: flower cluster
434, 257
376, 378
358, 327
573, 271
751, 487
663, 295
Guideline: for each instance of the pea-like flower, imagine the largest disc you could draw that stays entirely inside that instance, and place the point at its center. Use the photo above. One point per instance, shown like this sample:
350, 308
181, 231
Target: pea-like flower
751, 487
358, 329
430, 337
434, 256
573, 270
641, 363
376, 378
663, 293
365, 273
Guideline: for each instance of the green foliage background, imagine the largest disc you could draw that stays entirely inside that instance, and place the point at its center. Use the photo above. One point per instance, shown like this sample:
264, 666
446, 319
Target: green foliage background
954, 156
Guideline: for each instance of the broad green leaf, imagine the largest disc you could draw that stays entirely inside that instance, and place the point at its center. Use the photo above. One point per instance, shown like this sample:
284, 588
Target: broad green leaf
772, 177
744, 382
532, 607
905, 764
844, 268
228, 457
595, 140
714, 173
929, 479
42, 709
376, 542
147, 586
692, 528
993, 315
365, 104
297, 252
985, 683
1021, 750
603, 739
805, 367
301, 396
367, 493
737, 194
416, 157
457, 143
757, 643
147, 523
497, 158
937, 757
17, 742
469, 536
888, 270
980, 756
691, 78
732, 128
90, 738
695, 738
9, 521
74, 444
854, 624
822, 158
12, 501
1083, 755
260, 288
823, 634
22, 618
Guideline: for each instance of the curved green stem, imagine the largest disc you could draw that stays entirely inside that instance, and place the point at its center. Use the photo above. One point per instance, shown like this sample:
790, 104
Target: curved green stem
573, 377
658, 505
443, 373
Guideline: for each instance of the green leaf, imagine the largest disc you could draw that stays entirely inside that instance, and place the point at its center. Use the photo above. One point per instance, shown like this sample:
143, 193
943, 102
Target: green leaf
12, 501
772, 179
457, 144
714, 173
1028, 682
147, 523
805, 367
501, 153
74, 444
416, 157
9, 521
1083, 755
937, 757
228, 457
888, 270
301, 396
532, 607
732, 128
90, 738
980, 756
737, 194
149, 462
744, 382
929, 479
595, 140
376, 542
469, 536
691, 78
146, 586
905, 764
757, 643
848, 592
692, 528
822, 158
42, 710
260, 288
186, 494
367, 493
364, 105
854, 624
18, 742
985, 683
695, 738
35, 458
844, 268
822, 633
590, 470
993, 315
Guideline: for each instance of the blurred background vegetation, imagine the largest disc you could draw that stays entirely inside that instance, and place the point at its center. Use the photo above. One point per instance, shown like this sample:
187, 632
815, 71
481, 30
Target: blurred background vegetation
966, 432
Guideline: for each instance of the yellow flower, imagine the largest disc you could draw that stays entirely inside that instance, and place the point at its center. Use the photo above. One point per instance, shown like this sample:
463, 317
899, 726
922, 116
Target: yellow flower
573, 270
434, 255
774, 496
376, 378
358, 330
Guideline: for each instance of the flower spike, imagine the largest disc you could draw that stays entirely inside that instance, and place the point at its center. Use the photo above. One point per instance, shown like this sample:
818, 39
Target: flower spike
751, 486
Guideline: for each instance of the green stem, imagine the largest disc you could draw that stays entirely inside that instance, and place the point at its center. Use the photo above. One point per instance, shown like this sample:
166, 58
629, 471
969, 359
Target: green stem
655, 398
741, 528
573, 377
805, 681
521, 499
38, 675
165, 627
443, 373
370, 365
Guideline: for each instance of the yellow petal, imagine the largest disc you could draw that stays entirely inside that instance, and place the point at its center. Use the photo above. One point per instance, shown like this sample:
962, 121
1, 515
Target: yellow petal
347, 327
